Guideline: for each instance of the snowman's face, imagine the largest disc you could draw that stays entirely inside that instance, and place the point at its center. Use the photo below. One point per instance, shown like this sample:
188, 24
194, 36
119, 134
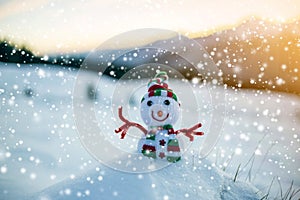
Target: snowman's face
159, 111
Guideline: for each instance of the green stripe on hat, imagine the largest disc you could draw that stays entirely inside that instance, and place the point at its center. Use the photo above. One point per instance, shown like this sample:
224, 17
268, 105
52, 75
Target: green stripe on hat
162, 75
174, 96
157, 92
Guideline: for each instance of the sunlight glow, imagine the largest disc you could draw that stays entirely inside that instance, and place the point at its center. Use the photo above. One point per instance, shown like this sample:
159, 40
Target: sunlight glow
68, 26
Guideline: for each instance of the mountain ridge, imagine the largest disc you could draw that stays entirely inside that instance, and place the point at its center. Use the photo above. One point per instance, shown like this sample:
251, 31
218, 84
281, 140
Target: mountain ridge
258, 54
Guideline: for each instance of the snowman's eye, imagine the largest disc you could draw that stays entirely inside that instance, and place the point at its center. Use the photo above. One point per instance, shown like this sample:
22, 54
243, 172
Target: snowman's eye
167, 102
149, 103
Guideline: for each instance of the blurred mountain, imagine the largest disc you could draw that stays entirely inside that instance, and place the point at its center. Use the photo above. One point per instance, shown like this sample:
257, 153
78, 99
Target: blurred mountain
258, 54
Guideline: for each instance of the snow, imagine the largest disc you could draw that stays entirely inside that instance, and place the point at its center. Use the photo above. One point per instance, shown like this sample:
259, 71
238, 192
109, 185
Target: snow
182, 180
42, 157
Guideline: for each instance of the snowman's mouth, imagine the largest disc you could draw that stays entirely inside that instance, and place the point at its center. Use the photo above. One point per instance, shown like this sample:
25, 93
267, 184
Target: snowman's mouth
160, 120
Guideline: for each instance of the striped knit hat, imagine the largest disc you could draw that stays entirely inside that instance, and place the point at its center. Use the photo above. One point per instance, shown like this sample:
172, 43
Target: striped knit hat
158, 87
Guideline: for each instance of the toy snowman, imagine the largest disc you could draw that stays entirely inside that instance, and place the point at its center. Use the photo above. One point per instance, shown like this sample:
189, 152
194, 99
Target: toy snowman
159, 109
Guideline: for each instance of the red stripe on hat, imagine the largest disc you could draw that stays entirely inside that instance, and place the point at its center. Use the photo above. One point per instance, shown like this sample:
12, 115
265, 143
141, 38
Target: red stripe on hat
155, 87
170, 94
151, 93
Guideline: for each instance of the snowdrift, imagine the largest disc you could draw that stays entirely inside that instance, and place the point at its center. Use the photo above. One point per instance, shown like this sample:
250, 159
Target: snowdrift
182, 180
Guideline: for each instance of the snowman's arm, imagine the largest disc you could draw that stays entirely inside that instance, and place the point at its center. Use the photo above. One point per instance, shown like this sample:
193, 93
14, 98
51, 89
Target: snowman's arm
190, 132
127, 124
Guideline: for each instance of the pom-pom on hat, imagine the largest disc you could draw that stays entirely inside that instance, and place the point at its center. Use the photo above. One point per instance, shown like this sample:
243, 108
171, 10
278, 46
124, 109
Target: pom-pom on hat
158, 87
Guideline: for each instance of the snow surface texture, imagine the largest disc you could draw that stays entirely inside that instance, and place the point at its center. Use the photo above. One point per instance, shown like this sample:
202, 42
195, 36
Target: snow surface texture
41, 156
182, 180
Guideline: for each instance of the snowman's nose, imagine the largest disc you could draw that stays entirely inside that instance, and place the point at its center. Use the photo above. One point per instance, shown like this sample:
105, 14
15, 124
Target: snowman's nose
160, 113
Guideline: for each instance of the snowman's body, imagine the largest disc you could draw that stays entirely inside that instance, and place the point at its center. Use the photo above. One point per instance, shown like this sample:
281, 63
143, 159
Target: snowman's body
160, 144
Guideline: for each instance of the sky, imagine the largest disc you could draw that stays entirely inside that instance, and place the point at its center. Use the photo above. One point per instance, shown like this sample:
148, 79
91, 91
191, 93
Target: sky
52, 26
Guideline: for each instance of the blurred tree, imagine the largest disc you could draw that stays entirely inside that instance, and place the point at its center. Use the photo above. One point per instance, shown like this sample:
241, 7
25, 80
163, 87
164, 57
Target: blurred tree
10, 52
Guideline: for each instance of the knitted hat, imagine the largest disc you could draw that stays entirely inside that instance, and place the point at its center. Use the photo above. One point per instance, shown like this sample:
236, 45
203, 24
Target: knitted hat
158, 87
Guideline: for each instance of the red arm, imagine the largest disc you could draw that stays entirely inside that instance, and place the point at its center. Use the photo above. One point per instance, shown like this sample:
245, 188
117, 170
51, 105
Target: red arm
190, 132
127, 124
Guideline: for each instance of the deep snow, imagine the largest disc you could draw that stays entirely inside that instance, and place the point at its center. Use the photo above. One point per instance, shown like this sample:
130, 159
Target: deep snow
41, 155
182, 180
